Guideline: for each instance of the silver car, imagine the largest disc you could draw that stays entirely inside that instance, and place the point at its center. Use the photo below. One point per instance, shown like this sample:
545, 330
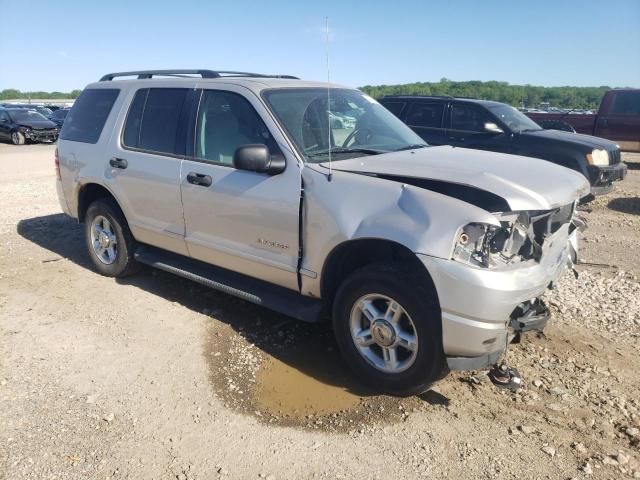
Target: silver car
426, 259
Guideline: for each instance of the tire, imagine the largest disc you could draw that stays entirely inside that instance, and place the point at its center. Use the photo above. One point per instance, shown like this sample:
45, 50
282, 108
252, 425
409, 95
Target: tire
557, 125
17, 138
109, 241
382, 285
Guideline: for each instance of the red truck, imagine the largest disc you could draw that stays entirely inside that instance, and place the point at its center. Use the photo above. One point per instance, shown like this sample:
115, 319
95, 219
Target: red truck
618, 119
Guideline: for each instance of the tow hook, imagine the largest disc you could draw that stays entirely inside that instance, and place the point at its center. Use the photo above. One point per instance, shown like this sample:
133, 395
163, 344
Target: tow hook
504, 377
528, 316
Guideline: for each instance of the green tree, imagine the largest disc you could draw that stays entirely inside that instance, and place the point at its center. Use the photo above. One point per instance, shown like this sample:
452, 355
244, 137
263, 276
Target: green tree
516, 95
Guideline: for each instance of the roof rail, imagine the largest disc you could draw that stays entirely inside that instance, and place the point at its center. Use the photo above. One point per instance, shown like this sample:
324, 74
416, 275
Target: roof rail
142, 74
418, 96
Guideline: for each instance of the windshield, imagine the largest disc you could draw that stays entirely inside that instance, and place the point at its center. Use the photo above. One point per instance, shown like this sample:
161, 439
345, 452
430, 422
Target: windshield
25, 116
349, 124
514, 119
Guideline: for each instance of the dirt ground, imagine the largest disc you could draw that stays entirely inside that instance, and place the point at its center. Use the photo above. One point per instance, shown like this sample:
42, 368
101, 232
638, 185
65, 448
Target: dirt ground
155, 377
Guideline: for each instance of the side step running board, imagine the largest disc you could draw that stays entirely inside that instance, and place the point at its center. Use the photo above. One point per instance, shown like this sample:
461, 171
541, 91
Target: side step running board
280, 299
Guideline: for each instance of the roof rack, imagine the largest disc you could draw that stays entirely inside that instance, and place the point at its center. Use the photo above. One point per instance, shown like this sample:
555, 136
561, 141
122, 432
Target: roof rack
396, 95
142, 74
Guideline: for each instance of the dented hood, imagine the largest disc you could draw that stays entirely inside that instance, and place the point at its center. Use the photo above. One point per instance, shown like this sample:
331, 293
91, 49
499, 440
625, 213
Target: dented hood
523, 183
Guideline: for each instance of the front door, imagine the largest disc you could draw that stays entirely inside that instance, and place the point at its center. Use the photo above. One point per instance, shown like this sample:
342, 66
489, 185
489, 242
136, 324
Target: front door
240, 220
426, 119
467, 129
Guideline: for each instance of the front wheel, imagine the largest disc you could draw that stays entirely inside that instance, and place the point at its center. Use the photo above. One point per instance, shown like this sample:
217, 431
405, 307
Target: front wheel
17, 138
387, 324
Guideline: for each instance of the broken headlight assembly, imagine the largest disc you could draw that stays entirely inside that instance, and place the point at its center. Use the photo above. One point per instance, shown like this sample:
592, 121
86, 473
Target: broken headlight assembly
491, 246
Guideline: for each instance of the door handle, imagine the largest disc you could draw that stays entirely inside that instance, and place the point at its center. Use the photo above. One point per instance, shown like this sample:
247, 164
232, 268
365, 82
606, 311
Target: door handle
199, 179
120, 163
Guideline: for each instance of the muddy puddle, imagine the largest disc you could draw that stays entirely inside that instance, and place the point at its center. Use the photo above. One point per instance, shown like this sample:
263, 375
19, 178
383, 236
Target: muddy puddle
290, 373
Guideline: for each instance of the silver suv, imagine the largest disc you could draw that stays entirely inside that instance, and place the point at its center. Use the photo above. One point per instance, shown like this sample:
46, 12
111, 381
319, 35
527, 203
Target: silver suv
315, 201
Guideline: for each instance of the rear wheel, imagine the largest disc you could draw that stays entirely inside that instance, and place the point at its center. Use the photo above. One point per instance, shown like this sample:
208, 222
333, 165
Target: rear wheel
17, 138
109, 241
388, 326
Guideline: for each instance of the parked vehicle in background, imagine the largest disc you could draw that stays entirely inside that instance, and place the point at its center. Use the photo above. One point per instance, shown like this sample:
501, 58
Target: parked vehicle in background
498, 127
59, 115
42, 110
617, 119
427, 258
21, 125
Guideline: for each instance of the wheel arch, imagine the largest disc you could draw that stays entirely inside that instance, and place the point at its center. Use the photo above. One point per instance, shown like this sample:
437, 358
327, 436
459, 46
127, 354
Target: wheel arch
351, 255
89, 193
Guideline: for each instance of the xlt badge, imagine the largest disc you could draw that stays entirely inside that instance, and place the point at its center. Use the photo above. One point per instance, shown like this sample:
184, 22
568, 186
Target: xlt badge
271, 244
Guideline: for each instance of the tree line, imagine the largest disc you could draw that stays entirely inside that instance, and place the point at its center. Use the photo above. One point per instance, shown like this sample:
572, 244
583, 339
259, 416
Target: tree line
13, 94
517, 95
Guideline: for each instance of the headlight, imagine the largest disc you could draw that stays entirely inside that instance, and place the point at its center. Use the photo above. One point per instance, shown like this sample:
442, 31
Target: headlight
598, 157
24, 129
491, 246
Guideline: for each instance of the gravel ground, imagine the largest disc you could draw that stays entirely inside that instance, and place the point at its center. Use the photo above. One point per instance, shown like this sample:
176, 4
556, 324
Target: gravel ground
157, 377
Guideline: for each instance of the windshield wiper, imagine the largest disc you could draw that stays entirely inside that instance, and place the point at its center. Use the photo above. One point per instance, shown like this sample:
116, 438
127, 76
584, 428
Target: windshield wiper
412, 147
335, 150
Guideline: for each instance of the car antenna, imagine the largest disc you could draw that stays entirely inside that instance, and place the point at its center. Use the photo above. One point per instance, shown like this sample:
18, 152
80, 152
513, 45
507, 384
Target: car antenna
328, 100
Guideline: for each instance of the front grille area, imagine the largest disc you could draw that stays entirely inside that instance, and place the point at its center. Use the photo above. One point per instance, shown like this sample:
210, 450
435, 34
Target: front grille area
614, 156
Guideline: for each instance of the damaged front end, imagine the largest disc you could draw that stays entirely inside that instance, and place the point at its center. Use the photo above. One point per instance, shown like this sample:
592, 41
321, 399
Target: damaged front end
515, 260
519, 237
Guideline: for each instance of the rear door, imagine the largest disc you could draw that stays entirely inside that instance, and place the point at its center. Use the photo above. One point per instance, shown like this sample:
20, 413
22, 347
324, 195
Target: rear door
240, 220
426, 118
143, 165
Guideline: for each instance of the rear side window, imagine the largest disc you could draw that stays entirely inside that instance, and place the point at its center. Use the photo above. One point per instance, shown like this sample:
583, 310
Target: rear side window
153, 119
86, 119
394, 107
626, 103
425, 115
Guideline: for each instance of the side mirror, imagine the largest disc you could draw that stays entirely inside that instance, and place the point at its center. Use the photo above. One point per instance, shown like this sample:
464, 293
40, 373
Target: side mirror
257, 158
492, 128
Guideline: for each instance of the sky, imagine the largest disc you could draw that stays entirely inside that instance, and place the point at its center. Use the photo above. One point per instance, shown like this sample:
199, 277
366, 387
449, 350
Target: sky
65, 45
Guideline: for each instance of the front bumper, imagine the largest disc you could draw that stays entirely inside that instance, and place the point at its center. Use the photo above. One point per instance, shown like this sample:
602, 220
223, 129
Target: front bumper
478, 304
602, 178
41, 136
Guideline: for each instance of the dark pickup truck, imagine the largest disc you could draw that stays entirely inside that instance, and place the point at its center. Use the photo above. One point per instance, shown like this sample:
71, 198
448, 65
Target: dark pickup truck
618, 119
498, 127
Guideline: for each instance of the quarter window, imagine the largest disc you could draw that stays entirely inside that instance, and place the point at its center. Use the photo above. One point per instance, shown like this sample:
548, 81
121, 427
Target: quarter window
469, 119
153, 120
87, 117
425, 115
227, 121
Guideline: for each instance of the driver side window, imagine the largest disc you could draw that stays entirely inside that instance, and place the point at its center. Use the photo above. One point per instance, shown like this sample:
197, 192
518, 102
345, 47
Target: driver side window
227, 121
4, 117
469, 119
